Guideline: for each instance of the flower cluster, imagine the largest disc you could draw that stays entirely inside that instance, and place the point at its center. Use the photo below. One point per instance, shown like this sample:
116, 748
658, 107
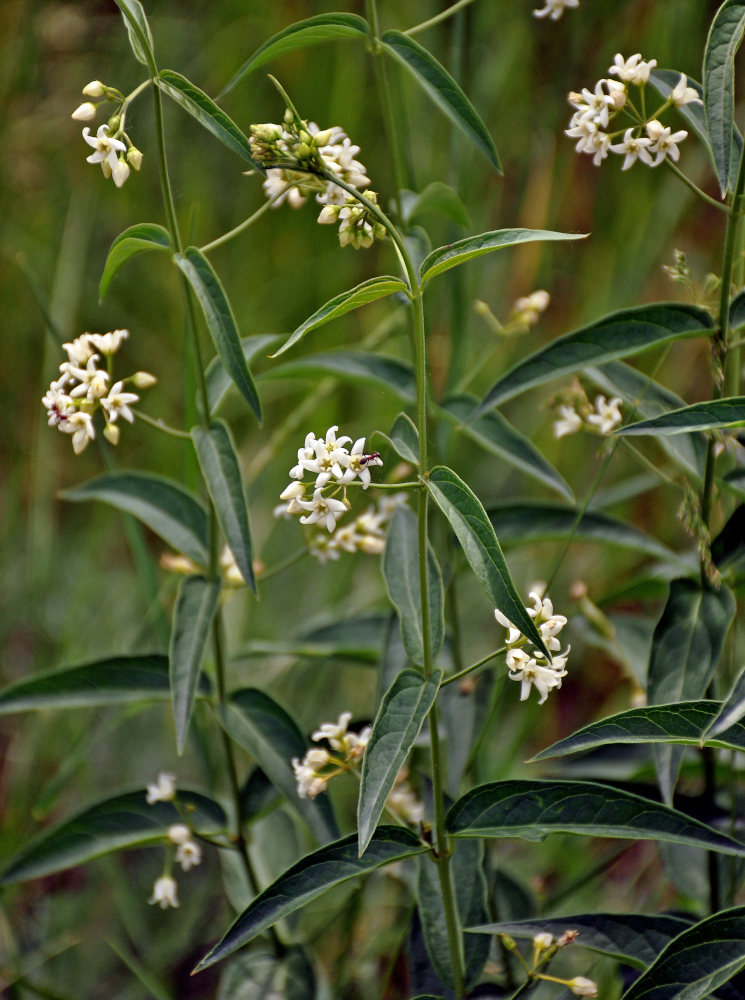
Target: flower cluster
299, 157
113, 148
646, 139
83, 388
525, 312
576, 413
530, 666
188, 853
366, 533
555, 8
319, 765
545, 947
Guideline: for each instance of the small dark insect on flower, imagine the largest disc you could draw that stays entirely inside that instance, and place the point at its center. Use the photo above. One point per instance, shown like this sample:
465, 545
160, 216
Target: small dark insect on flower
373, 456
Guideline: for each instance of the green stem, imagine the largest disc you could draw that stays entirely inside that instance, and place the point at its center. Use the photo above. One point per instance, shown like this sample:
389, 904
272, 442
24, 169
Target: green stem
694, 187
246, 222
442, 16
474, 666
161, 426
389, 118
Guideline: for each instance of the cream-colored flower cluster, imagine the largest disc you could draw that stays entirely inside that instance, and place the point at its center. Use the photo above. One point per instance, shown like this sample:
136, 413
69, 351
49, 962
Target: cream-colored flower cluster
188, 853
646, 139
320, 765
83, 389
576, 413
530, 666
298, 157
113, 148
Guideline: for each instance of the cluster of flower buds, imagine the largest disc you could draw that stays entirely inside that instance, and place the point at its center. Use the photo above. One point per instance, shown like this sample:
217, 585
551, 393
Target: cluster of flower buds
188, 853
525, 312
319, 765
113, 148
554, 8
577, 413
298, 157
647, 139
83, 388
530, 666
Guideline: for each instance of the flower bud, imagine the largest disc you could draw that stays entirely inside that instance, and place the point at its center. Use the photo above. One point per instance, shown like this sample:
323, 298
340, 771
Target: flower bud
94, 89
582, 987
111, 433
114, 123
178, 833
143, 380
322, 138
120, 172
134, 157
85, 112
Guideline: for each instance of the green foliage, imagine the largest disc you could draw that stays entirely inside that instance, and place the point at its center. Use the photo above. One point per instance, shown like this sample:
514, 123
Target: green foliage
193, 615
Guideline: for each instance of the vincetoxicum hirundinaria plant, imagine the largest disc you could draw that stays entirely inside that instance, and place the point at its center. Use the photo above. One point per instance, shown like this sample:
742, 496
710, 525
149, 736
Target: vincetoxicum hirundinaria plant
419, 813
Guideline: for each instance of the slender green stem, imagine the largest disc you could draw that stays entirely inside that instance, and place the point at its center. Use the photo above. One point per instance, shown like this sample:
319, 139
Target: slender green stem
474, 666
694, 187
281, 566
161, 426
442, 16
269, 203
389, 118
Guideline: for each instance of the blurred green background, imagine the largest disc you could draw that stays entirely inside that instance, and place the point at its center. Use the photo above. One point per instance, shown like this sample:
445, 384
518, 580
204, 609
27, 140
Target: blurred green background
70, 590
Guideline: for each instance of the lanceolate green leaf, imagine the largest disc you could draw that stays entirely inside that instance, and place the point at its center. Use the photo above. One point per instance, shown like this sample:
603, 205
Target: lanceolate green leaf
314, 30
695, 963
401, 574
138, 30
438, 198
260, 725
714, 414
114, 681
311, 877
220, 321
112, 825
162, 504
524, 522
473, 530
725, 36
137, 239
731, 712
619, 335
218, 380
404, 438
634, 938
394, 374
495, 434
398, 723
222, 474
442, 90
685, 723
453, 254
533, 809
203, 108
196, 605
360, 295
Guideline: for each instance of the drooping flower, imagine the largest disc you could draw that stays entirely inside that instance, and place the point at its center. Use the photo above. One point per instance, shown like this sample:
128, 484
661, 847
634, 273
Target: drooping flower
555, 8
163, 790
683, 94
530, 666
188, 855
106, 148
164, 892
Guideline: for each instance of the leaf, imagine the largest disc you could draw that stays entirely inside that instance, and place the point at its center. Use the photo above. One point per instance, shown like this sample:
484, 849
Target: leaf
114, 824
136, 239
168, 509
533, 809
737, 311
353, 298
526, 522
193, 614
203, 108
379, 369
309, 878
728, 548
140, 38
621, 334
453, 254
220, 321
725, 36
731, 711
259, 724
401, 575
218, 380
436, 197
219, 464
473, 530
442, 90
467, 876
398, 723
117, 680
312, 31
634, 938
685, 723
696, 962
496, 435
403, 438
713, 414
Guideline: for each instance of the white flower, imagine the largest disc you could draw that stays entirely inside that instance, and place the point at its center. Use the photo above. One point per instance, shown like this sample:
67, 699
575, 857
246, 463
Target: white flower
309, 783
231, 575
664, 143
569, 422
529, 671
404, 802
120, 171
514, 634
607, 414
543, 940
355, 743
188, 855
358, 464
632, 70
582, 987
80, 425
334, 732
79, 350
633, 147
164, 892
85, 112
683, 94
106, 149
60, 406
527, 310
94, 383
106, 343
163, 790
116, 404
323, 509
555, 8
278, 188
179, 833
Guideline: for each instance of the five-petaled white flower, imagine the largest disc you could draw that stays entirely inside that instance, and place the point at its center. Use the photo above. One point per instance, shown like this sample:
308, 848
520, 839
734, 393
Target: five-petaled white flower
163, 790
683, 94
323, 509
116, 404
607, 414
664, 141
632, 70
106, 150
634, 147
188, 855
568, 423
165, 892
